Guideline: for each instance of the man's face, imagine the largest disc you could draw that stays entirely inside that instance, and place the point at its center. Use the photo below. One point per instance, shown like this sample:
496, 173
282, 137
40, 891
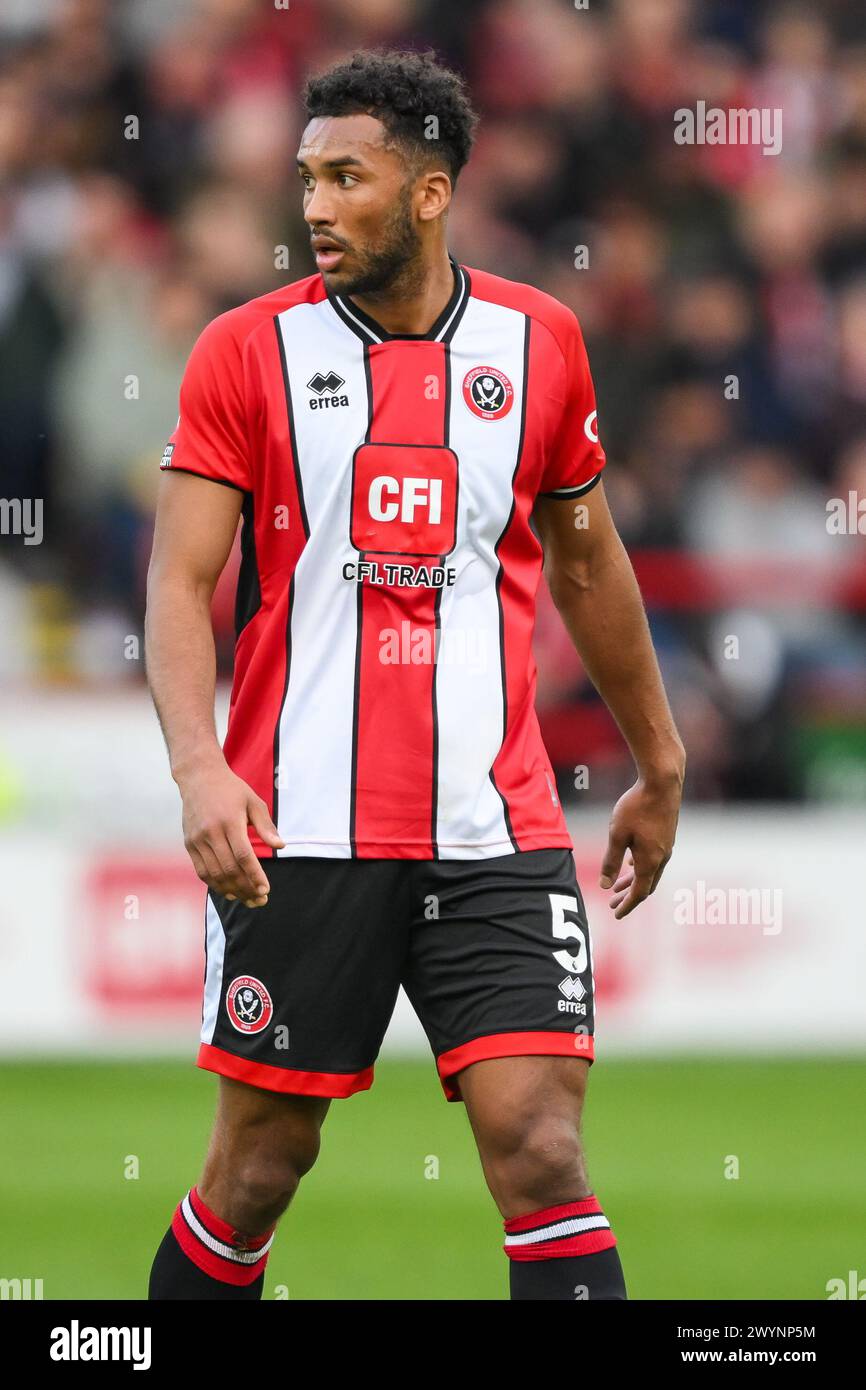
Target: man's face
358, 204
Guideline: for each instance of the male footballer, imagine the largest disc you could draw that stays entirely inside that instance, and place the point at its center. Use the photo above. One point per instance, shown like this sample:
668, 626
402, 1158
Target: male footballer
408, 441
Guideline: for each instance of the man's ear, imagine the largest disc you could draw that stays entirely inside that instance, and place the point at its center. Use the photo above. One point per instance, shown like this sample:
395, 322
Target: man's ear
434, 194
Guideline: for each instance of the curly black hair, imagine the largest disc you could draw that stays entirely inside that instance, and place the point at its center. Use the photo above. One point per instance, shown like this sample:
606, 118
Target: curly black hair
403, 90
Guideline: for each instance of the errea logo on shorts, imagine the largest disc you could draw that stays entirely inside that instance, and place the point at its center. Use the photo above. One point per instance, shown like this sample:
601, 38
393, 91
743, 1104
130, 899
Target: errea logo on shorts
574, 992
575, 957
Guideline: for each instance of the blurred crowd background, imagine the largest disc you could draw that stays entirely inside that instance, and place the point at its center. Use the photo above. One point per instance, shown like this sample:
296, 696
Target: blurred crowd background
147, 182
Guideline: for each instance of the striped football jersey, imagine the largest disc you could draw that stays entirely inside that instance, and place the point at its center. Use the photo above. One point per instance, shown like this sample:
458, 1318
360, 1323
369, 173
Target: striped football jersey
383, 702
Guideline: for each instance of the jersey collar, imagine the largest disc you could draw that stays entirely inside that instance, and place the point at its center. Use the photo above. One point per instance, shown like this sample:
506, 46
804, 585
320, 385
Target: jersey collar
442, 331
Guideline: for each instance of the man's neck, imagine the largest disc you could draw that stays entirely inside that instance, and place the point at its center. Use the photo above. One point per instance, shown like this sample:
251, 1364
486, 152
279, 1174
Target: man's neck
416, 299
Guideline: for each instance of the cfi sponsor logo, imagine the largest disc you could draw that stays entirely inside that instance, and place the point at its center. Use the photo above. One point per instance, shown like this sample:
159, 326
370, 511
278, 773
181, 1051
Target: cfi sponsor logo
165, 461
249, 1005
488, 393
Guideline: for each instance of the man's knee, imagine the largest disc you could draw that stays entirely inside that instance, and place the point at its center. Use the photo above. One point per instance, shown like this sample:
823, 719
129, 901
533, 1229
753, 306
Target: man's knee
256, 1163
262, 1187
525, 1113
534, 1161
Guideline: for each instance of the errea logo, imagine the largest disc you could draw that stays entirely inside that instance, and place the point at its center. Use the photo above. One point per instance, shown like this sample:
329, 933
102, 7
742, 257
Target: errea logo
572, 988
325, 387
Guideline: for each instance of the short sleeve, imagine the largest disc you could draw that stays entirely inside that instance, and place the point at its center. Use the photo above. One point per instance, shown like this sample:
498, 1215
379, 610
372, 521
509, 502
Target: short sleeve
211, 437
576, 458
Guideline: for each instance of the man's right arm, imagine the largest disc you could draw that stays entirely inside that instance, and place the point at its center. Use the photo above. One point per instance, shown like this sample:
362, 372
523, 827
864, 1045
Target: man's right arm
196, 522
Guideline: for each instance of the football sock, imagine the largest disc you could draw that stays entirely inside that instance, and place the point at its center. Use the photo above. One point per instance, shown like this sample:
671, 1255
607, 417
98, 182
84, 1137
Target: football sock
203, 1257
564, 1252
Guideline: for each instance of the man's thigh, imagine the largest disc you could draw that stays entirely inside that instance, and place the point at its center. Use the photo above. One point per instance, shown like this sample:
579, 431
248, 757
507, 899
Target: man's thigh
252, 1123
525, 1114
298, 993
500, 965
519, 1090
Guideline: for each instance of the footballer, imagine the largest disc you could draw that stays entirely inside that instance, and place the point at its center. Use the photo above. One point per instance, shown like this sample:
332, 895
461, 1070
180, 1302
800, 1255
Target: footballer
408, 441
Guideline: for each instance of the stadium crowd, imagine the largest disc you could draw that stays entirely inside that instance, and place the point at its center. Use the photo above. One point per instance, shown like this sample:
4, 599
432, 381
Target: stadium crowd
147, 183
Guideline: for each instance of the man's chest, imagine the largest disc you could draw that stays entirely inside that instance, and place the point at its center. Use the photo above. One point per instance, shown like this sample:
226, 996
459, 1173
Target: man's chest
407, 448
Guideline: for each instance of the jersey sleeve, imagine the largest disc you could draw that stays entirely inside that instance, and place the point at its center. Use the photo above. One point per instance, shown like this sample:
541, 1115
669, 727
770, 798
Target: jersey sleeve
211, 437
576, 459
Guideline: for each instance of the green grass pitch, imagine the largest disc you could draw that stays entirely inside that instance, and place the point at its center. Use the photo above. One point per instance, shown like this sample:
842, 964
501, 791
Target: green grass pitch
370, 1223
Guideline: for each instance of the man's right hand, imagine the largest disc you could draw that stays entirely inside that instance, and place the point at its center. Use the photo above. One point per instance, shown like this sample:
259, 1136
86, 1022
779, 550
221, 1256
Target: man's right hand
218, 807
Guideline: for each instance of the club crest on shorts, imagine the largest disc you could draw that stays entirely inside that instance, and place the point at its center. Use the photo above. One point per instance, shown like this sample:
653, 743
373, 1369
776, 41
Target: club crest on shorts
488, 393
249, 1005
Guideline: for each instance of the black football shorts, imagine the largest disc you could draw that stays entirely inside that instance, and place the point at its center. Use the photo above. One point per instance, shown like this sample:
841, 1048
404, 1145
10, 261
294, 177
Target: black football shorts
494, 954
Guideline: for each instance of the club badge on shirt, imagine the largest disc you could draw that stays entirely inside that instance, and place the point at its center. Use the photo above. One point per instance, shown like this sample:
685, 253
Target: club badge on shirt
488, 393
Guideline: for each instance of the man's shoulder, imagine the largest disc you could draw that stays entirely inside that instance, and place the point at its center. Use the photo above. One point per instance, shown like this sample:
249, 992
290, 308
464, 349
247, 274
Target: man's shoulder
526, 299
234, 326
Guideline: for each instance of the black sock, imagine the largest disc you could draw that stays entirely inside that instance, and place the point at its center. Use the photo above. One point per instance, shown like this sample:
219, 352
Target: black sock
173, 1275
576, 1277
200, 1258
564, 1252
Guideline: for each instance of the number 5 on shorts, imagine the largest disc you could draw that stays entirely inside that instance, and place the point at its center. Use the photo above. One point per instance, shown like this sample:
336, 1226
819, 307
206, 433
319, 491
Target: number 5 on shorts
563, 930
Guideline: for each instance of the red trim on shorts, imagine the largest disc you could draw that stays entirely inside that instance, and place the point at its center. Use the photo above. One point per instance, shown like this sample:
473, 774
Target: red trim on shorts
335, 1085
529, 1044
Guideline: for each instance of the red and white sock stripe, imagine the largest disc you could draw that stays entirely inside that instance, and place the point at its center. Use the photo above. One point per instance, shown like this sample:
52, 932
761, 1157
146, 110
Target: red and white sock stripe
215, 1246
575, 1228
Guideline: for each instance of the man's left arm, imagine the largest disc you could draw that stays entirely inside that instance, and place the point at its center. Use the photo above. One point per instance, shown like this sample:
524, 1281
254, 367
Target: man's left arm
594, 588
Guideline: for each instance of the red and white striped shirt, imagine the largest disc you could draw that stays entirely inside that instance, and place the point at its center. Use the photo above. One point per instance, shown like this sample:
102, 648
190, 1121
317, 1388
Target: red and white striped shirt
383, 702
